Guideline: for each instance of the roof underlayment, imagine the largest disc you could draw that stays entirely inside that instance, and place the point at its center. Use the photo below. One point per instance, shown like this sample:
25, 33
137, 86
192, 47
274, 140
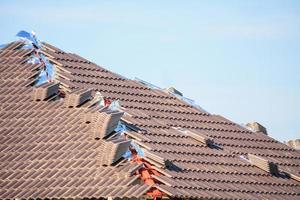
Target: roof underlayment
85, 132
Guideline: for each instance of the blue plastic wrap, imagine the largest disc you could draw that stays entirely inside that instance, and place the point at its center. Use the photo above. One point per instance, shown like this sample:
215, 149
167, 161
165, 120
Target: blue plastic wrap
47, 74
29, 37
137, 148
34, 60
31, 42
121, 128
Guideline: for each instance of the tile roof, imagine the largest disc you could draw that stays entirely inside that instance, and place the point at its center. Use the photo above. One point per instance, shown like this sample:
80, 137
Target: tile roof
55, 142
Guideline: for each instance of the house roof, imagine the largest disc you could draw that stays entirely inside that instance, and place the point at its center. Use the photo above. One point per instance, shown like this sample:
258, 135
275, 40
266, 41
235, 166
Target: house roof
57, 141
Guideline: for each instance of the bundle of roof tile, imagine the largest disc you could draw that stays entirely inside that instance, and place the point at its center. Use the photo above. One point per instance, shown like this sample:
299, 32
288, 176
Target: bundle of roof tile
78, 97
50, 150
113, 150
103, 123
264, 164
45, 91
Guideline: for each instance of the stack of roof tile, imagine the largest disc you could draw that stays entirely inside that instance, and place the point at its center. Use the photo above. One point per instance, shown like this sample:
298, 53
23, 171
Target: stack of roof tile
47, 150
114, 151
78, 97
103, 123
45, 91
263, 164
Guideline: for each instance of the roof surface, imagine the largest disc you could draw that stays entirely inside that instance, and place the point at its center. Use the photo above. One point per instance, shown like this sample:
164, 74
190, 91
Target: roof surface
48, 149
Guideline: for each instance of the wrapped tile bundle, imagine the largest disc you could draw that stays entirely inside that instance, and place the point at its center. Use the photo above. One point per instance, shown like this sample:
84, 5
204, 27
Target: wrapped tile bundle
114, 150
78, 97
45, 91
103, 123
263, 164
200, 137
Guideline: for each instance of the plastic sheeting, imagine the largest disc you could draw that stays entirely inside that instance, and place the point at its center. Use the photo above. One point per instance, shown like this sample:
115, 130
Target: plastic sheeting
29, 38
244, 158
150, 85
34, 60
190, 102
183, 131
121, 128
99, 97
187, 100
47, 74
247, 127
114, 106
138, 149
31, 42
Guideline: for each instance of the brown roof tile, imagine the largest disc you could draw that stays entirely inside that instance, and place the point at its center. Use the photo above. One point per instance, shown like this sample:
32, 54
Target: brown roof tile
50, 150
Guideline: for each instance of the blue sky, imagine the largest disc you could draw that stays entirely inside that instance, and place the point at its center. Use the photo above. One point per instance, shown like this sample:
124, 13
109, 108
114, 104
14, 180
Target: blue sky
239, 59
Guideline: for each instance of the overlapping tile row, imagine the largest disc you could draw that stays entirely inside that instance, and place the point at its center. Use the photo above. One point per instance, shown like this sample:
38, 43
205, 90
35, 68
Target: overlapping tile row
196, 170
34, 130
46, 148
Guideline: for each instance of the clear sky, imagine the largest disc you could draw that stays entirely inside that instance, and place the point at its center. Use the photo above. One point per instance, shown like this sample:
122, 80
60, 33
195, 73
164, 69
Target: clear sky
240, 59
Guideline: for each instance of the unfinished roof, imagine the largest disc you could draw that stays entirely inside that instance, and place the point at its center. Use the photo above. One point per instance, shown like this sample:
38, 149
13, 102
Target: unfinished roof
62, 138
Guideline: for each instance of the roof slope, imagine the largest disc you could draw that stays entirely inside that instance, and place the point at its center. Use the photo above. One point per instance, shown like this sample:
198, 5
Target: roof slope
47, 150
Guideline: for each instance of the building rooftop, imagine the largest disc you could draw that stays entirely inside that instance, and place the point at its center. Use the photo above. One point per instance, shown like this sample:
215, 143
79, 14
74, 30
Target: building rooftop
71, 129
